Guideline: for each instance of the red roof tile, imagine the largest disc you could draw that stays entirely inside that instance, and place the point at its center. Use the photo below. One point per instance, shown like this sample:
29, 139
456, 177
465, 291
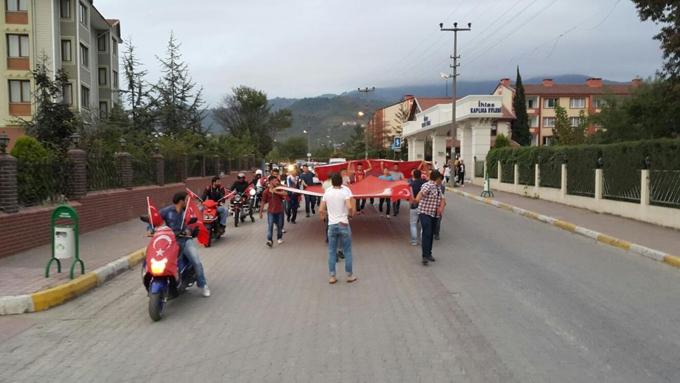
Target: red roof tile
576, 89
426, 103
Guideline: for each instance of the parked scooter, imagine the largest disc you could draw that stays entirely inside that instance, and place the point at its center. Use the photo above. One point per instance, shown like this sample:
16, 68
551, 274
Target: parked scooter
165, 273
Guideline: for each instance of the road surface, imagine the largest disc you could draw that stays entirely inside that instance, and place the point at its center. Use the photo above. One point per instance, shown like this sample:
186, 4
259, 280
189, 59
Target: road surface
508, 300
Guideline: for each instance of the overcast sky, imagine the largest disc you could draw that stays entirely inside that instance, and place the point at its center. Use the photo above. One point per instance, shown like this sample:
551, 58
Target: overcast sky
300, 48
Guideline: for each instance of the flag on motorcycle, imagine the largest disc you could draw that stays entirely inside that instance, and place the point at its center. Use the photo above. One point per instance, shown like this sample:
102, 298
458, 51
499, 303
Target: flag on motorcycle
155, 218
192, 194
192, 211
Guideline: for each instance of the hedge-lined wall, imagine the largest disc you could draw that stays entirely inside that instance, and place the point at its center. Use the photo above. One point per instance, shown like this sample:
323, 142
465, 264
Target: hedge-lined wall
621, 164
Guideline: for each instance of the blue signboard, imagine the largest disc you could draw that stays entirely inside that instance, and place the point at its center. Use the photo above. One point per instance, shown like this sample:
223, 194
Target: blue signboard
397, 142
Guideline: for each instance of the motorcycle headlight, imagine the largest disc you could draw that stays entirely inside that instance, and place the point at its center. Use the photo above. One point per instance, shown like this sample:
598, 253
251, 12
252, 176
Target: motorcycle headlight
252, 192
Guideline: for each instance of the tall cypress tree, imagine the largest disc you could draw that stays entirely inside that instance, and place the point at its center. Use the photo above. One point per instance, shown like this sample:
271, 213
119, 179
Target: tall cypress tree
520, 126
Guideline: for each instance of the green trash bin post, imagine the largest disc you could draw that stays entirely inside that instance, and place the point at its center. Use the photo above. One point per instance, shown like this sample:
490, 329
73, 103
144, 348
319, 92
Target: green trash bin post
65, 243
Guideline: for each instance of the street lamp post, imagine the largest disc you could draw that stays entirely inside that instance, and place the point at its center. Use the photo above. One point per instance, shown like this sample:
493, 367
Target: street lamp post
361, 116
309, 154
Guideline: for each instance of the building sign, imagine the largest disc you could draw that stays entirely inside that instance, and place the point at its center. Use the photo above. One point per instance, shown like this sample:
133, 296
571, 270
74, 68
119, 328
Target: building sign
485, 108
426, 122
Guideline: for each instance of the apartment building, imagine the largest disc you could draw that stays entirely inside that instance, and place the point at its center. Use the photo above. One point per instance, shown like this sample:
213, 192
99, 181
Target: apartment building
75, 37
586, 98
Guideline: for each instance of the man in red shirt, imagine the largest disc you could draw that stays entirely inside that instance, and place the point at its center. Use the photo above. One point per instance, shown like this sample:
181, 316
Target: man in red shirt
360, 175
274, 201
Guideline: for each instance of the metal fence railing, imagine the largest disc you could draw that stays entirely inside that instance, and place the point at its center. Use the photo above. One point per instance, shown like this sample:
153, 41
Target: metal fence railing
664, 188
41, 181
102, 173
195, 166
551, 174
143, 171
507, 172
479, 168
621, 188
581, 181
527, 174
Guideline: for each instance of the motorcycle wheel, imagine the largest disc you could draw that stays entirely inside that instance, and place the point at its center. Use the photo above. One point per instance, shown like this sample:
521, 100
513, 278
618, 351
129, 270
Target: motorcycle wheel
156, 306
252, 219
236, 218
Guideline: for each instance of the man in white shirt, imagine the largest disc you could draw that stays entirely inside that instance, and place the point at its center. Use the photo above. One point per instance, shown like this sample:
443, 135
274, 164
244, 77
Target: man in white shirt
336, 204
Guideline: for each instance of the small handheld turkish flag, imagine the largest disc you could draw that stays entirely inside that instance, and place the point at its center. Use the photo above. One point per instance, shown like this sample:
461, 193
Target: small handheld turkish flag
155, 218
192, 211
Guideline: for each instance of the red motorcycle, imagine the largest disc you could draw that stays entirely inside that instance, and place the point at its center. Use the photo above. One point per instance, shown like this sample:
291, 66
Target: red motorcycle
243, 204
211, 218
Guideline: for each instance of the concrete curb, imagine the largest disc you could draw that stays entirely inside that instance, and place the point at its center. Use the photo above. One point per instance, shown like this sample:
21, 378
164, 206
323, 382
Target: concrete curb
44, 299
656, 255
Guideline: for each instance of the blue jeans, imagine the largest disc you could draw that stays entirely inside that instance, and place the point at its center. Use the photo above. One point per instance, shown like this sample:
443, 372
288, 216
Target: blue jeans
427, 222
222, 212
190, 251
310, 203
341, 233
414, 223
272, 219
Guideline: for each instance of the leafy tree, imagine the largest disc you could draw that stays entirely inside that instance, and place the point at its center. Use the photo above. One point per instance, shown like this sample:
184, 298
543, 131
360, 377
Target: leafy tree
566, 134
179, 103
650, 112
293, 148
520, 126
137, 92
501, 141
53, 122
562, 129
666, 13
247, 115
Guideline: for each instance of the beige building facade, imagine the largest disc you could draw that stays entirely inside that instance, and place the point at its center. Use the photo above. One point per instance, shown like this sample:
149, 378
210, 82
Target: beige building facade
74, 36
577, 99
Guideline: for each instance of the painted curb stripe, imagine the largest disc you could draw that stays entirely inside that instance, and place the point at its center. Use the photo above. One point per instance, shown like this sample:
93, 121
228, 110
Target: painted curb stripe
570, 227
672, 260
43, 300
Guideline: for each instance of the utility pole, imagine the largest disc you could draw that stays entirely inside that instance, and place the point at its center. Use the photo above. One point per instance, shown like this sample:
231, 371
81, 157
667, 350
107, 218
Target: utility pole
454, 66
361, 114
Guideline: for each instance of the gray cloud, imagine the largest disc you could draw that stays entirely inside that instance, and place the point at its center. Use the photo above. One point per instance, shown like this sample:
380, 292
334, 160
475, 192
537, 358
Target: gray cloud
298, 48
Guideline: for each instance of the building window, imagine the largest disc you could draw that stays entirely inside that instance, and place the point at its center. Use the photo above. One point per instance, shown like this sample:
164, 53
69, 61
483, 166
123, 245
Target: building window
19, 91
547, 140
102, 76
577, 103
101, 43
531, 103
65, 9
82, 13
17, 46
16, 5
85, 97
550, 103
84, 56
66, 50
115, 79
494, 129
533, 121
574, 121
103, 109
548, 122
67, 94
599, 103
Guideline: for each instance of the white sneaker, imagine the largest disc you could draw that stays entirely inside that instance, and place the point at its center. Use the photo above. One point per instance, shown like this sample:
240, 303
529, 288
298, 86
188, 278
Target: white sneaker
205, 291
280, 241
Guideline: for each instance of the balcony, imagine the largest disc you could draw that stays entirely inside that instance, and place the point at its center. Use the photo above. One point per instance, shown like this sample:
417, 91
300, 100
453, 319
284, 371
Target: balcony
20, 109
17, 17
18, 63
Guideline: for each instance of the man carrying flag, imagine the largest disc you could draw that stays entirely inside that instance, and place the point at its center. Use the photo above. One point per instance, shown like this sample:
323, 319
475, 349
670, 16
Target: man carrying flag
176, 216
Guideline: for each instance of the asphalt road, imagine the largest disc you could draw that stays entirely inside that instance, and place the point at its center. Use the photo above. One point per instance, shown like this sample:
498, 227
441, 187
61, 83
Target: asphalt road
508, 300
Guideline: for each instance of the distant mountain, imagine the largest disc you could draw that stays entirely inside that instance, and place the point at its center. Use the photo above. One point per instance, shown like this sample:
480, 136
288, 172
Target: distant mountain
324, 115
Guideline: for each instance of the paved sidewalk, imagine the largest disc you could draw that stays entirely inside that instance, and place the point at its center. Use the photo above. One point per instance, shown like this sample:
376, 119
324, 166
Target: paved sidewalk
642, 233
24, 273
